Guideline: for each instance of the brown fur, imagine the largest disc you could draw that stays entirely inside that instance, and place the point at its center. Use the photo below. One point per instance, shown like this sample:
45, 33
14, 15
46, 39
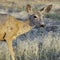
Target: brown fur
10, 27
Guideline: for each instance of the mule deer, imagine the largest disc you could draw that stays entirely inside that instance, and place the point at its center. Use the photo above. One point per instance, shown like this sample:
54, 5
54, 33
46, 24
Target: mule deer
11, 27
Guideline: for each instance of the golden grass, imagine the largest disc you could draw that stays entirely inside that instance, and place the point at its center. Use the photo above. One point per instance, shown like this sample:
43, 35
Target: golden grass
19, 3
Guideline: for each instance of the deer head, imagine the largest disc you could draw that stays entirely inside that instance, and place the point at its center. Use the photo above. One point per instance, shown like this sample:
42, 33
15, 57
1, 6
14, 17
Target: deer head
37, 17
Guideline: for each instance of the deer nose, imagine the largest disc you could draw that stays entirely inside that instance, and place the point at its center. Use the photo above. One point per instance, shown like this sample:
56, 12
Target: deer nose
38, 26
42, 25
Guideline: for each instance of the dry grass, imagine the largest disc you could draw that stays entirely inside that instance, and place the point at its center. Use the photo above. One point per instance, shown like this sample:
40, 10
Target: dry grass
33, 49
20, 4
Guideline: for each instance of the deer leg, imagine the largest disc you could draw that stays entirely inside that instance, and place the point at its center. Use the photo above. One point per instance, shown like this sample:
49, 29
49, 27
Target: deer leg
9, 43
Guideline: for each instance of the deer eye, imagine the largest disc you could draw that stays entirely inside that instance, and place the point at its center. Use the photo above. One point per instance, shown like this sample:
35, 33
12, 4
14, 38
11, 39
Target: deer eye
35, 17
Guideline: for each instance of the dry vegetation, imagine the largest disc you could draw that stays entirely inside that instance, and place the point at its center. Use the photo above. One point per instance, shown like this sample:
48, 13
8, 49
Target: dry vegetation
19, 3
33, 49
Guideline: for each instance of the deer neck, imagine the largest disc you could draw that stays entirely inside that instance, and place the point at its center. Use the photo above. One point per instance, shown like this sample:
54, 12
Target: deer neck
24, 27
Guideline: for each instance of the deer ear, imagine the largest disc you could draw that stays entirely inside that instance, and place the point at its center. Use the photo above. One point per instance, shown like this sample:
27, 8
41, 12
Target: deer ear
28, 8
46, 9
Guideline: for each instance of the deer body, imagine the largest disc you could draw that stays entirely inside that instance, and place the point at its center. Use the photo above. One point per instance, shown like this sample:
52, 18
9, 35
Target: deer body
10, 27
13, 27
